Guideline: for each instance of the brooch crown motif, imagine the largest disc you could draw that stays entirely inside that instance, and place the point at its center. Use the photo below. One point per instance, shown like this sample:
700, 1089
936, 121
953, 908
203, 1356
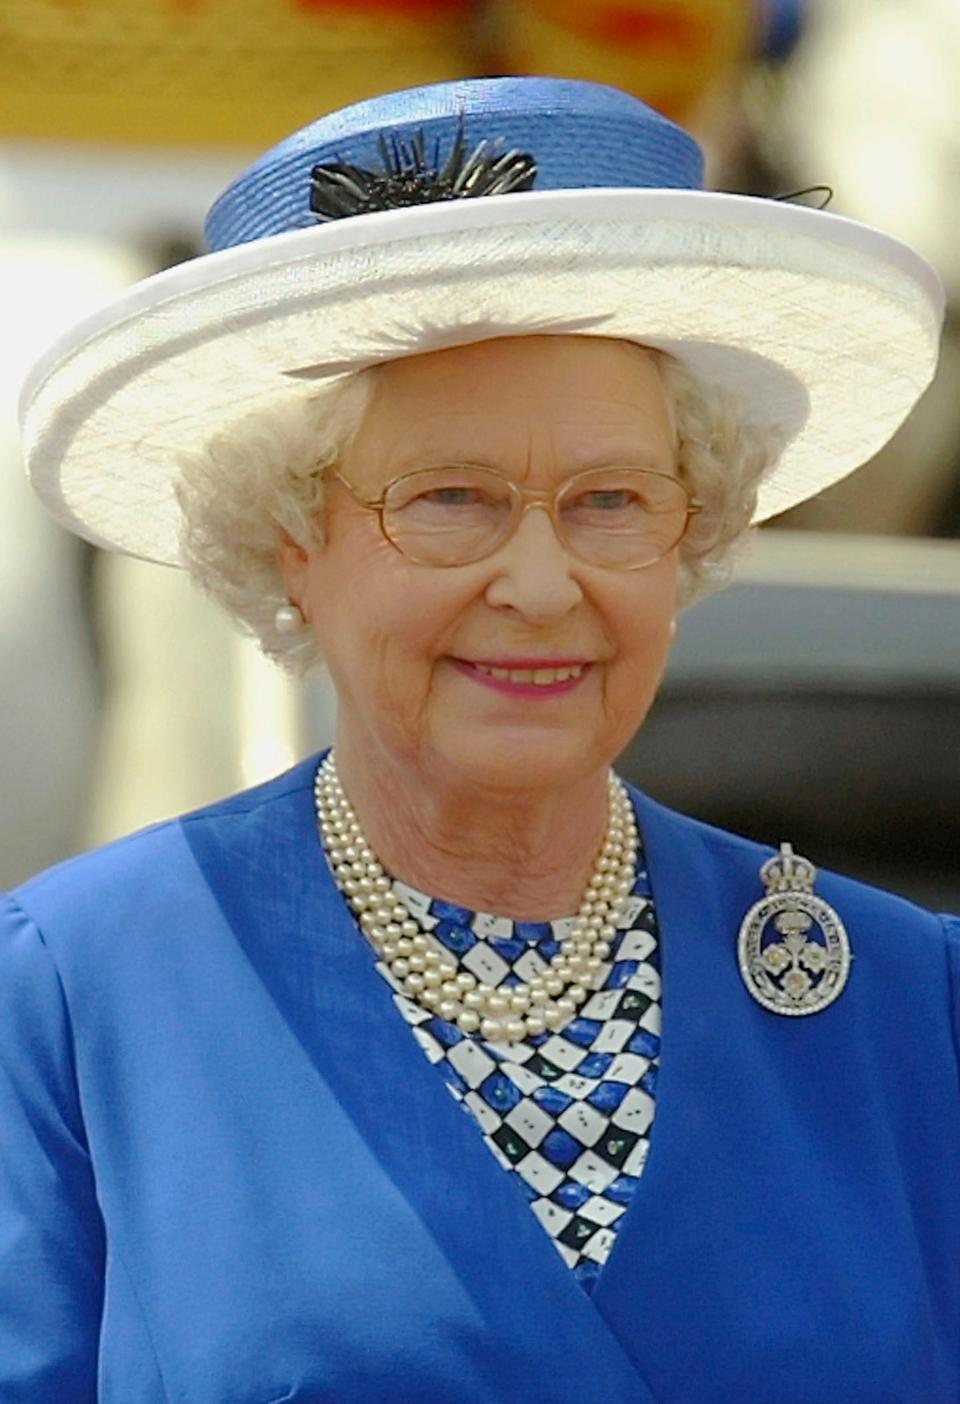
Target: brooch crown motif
793, 951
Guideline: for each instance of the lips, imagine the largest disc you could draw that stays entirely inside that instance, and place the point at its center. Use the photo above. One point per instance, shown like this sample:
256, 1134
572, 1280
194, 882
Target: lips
526, 676
540, 676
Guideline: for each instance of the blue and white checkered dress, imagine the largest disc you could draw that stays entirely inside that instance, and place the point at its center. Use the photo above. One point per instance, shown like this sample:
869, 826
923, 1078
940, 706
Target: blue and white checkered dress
567, 1114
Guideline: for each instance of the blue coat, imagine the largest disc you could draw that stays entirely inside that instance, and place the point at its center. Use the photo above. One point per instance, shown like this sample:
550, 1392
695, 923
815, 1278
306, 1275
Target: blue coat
229, 1176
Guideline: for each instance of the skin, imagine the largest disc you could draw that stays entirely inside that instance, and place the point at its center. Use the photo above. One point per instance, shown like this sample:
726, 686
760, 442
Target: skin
491, 800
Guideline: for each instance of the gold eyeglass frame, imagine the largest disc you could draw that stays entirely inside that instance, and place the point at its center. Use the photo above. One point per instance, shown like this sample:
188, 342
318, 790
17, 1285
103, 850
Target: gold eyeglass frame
527, 498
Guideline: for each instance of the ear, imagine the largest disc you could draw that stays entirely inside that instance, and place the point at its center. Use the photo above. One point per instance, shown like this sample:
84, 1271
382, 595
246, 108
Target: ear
294, 562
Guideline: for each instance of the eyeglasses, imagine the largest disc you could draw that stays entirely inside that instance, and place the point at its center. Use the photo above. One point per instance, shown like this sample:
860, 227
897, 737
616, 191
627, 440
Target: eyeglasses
618, 518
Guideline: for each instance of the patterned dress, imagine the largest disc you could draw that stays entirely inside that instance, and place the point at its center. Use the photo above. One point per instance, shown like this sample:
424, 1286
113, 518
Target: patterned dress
567, 1114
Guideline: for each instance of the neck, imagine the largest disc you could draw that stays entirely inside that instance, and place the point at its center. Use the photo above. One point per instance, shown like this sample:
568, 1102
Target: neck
523, 853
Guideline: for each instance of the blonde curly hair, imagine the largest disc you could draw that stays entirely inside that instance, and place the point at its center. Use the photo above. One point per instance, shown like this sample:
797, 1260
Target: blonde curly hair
263, 474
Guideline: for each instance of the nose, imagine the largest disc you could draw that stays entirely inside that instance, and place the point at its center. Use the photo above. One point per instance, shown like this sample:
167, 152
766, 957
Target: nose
533, 573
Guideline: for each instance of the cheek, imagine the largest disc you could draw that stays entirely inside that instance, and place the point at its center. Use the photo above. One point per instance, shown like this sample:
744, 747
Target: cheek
641, 622
378, 618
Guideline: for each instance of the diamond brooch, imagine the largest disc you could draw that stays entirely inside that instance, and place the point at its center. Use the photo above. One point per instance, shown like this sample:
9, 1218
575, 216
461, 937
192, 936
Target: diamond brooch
793, 950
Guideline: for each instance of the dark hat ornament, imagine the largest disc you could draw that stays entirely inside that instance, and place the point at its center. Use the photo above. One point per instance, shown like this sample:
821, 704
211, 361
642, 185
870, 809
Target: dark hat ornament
407, 175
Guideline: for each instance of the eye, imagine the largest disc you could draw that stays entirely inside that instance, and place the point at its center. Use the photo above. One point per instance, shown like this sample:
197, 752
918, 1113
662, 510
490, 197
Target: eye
458, 496
606, 499
602, 501
448, 495
623, 499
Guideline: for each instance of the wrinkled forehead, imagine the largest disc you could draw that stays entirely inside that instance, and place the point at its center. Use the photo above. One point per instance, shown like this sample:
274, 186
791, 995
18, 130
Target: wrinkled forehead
538, 404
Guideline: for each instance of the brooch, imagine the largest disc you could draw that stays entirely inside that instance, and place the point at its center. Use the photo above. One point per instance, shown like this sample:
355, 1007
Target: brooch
784, 965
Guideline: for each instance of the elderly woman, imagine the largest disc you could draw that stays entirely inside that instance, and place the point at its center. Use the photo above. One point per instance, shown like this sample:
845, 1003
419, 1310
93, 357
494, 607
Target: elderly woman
352, 1087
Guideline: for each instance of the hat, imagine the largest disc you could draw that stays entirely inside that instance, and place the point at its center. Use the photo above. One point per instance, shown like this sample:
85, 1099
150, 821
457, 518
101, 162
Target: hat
454, 213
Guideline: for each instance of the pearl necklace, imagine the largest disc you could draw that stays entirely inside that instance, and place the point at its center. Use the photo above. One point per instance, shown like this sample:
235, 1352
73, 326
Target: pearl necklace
428, 973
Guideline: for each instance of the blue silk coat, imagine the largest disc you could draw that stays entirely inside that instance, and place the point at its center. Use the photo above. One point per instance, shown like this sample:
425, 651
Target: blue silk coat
229, 1175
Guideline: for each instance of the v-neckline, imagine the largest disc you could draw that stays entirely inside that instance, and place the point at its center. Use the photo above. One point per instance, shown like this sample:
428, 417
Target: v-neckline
439, 1051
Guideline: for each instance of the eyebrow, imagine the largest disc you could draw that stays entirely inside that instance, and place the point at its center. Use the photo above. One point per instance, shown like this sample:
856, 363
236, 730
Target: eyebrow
627, 460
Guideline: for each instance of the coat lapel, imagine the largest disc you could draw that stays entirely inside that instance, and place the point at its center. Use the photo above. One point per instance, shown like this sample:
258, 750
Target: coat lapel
297, 933
662, 1254
742, 1098
703, 1006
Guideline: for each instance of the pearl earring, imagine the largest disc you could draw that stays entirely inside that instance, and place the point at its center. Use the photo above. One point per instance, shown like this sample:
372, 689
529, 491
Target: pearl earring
289, 618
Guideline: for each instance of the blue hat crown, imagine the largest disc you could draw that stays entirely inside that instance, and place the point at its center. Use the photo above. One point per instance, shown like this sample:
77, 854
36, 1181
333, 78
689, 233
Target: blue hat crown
464, 139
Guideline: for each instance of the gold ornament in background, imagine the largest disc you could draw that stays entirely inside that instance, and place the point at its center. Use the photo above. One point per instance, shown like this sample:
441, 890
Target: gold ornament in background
671, 53
213, 72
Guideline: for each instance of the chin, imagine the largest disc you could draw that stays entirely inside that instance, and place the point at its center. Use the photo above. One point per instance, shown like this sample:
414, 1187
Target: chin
524, 757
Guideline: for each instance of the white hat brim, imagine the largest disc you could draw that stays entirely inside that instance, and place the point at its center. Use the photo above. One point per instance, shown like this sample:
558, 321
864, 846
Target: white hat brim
819, 324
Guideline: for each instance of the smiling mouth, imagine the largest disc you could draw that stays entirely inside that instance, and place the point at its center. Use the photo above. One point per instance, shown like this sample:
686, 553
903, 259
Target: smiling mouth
526, 679
540, 677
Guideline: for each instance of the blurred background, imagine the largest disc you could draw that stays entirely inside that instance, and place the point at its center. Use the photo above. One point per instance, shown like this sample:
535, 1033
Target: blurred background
815, 701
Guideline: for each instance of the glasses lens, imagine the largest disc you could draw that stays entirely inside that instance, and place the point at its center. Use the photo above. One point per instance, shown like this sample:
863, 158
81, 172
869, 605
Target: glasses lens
448, 516
622, 518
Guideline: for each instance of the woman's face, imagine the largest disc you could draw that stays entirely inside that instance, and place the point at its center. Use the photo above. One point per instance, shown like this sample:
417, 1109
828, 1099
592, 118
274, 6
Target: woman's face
403, 641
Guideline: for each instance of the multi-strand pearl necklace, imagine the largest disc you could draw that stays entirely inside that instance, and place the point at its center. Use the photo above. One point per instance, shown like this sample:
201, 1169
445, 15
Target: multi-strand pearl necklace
429, 974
